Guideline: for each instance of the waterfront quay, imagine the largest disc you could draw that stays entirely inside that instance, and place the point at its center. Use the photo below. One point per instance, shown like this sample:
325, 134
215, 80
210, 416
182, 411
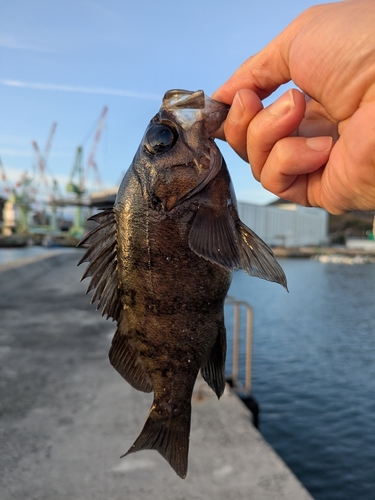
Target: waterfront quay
67, 415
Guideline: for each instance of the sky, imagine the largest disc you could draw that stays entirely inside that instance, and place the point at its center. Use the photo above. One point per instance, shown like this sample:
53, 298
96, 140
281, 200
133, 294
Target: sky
63, 61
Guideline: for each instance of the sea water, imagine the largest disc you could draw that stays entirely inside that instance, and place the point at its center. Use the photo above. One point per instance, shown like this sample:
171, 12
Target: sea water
314, 373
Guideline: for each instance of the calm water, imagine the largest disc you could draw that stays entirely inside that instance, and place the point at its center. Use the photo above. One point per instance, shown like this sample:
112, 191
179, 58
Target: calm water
314, 373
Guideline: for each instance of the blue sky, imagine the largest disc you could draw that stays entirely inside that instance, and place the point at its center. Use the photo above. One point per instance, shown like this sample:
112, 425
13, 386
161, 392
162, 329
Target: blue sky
63, 61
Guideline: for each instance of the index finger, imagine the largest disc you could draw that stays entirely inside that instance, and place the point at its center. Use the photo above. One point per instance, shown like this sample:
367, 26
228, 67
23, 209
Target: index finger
256, 74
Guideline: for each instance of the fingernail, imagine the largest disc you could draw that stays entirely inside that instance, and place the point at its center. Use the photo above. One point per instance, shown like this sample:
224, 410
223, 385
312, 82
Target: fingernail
236, 110
282, 105
319, 143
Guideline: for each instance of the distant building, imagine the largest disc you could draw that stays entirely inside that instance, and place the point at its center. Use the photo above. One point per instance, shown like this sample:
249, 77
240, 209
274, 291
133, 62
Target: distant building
364, 244
104, 198
286, 224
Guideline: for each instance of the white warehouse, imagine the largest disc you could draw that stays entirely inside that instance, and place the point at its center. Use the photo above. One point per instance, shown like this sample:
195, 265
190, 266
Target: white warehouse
286, 224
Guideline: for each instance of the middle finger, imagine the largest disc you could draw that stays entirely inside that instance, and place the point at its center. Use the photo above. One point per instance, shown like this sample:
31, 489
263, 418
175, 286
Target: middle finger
272, 124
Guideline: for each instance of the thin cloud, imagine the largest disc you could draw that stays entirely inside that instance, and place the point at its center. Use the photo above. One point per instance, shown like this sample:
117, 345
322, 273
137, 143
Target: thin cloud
84, 90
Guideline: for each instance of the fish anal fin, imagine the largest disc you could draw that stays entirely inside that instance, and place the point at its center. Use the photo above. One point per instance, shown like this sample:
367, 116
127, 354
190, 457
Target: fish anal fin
125, 359
167, 434
213, 369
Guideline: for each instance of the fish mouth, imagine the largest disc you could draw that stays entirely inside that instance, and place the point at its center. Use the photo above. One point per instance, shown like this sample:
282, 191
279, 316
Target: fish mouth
167, 202
191, 106
188, 108
215, 166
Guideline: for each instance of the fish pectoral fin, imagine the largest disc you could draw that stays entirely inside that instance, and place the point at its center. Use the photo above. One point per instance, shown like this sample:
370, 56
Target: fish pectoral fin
125, 359
168, 435
220, 237
213, 369
257, 259
213, 236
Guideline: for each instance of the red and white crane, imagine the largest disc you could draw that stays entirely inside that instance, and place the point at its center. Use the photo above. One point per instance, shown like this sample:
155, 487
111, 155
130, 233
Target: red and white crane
42, 159
6, 187
91, 163
79, 175
78, 178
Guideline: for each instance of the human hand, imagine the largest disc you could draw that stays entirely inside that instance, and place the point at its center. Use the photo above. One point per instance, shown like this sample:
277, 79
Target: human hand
318, 151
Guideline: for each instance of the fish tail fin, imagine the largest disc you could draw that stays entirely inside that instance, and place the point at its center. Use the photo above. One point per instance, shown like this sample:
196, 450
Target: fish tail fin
169, 436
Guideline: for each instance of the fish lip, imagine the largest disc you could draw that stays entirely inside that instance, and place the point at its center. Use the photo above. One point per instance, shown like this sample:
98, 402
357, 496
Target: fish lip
215, 113
195, 105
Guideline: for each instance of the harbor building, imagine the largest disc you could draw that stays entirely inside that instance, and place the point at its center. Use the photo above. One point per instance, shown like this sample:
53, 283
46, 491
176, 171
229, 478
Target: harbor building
286, 224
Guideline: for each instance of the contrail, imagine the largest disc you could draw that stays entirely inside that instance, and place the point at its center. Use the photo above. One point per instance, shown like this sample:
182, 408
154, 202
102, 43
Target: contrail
85, 90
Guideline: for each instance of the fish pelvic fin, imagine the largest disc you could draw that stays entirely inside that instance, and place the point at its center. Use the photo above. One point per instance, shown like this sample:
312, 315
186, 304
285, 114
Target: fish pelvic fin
213, 369
219, 236
168, 434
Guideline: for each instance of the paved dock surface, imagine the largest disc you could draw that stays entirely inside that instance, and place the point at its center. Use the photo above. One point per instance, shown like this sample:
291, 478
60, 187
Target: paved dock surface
66, 415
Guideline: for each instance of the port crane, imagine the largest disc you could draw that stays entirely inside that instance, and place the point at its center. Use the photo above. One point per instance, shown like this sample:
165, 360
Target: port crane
23, 197
41, 176
77, 183
21, 193
6, 187
42, 159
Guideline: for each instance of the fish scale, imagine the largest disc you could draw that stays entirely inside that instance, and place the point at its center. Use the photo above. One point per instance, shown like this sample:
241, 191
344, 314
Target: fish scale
161, 262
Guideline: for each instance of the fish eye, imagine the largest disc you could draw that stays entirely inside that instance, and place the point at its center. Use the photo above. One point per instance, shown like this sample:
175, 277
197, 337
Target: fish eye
160, 138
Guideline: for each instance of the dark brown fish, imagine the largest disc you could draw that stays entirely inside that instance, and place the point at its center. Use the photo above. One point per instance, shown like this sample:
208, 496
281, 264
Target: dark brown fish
161, 262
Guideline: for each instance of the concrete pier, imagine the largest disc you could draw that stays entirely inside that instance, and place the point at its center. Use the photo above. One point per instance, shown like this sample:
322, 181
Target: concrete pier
67, 415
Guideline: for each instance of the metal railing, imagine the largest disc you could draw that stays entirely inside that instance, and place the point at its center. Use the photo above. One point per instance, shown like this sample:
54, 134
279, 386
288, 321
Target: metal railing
241, 336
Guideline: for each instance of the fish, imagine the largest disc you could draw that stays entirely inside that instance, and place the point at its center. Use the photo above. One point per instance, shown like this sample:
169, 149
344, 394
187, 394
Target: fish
161, 262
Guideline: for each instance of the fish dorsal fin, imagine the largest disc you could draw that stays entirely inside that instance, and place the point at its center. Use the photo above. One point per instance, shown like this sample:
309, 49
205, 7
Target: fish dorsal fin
102, 258
218, 235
